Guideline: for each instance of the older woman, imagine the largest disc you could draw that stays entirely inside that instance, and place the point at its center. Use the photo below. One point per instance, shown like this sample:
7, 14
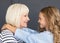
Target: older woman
17, 16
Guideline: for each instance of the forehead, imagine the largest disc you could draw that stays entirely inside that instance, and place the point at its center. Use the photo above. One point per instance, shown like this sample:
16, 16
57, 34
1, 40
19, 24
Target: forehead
41, 14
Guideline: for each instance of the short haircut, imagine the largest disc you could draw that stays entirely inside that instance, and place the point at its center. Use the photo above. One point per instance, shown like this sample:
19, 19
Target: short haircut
14, 12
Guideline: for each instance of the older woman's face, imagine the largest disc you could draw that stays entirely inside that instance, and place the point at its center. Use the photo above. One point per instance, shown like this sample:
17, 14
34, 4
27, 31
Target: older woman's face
24, 20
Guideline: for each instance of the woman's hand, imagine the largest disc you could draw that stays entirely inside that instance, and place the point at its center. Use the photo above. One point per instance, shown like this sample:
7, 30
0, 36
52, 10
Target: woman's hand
4, 27
9, 27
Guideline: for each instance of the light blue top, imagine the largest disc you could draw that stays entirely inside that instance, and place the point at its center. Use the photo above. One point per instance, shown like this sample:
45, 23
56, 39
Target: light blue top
32, 36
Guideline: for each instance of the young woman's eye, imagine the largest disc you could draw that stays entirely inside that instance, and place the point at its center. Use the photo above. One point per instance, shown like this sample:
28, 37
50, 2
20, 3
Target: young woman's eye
39, 18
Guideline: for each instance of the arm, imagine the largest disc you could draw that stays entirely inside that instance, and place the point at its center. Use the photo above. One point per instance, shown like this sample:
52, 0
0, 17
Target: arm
13, 29
21, 34
30, 38
44, 37
9, 27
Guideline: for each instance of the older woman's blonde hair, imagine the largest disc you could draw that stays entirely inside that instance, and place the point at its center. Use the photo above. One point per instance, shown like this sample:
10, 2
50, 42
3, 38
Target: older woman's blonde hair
14, 12
52, 16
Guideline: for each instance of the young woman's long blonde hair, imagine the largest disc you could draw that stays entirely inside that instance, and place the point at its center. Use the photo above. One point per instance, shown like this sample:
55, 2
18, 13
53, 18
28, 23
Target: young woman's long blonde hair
52, 15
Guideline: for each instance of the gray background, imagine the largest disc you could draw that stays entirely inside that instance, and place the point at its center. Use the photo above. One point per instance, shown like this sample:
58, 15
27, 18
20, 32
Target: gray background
34, 5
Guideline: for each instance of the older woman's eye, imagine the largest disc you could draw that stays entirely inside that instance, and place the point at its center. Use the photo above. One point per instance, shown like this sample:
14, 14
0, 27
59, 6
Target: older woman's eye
25, 15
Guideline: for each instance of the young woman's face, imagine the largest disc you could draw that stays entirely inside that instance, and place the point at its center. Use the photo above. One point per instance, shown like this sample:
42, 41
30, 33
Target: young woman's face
24, 20
42, 21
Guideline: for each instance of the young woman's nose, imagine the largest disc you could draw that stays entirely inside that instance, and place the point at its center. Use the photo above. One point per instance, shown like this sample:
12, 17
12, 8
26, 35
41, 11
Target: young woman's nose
38, 20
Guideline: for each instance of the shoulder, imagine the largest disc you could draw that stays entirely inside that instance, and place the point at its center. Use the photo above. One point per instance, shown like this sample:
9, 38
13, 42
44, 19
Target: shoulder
7, 36
45, 36
0, 38
6, 32
46, 33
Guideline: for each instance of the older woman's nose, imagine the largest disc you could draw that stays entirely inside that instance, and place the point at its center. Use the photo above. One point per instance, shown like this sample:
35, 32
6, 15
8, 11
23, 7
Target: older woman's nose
28, 19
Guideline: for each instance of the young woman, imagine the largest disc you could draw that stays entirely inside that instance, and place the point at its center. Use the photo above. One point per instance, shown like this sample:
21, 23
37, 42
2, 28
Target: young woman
17, 16
49, 22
